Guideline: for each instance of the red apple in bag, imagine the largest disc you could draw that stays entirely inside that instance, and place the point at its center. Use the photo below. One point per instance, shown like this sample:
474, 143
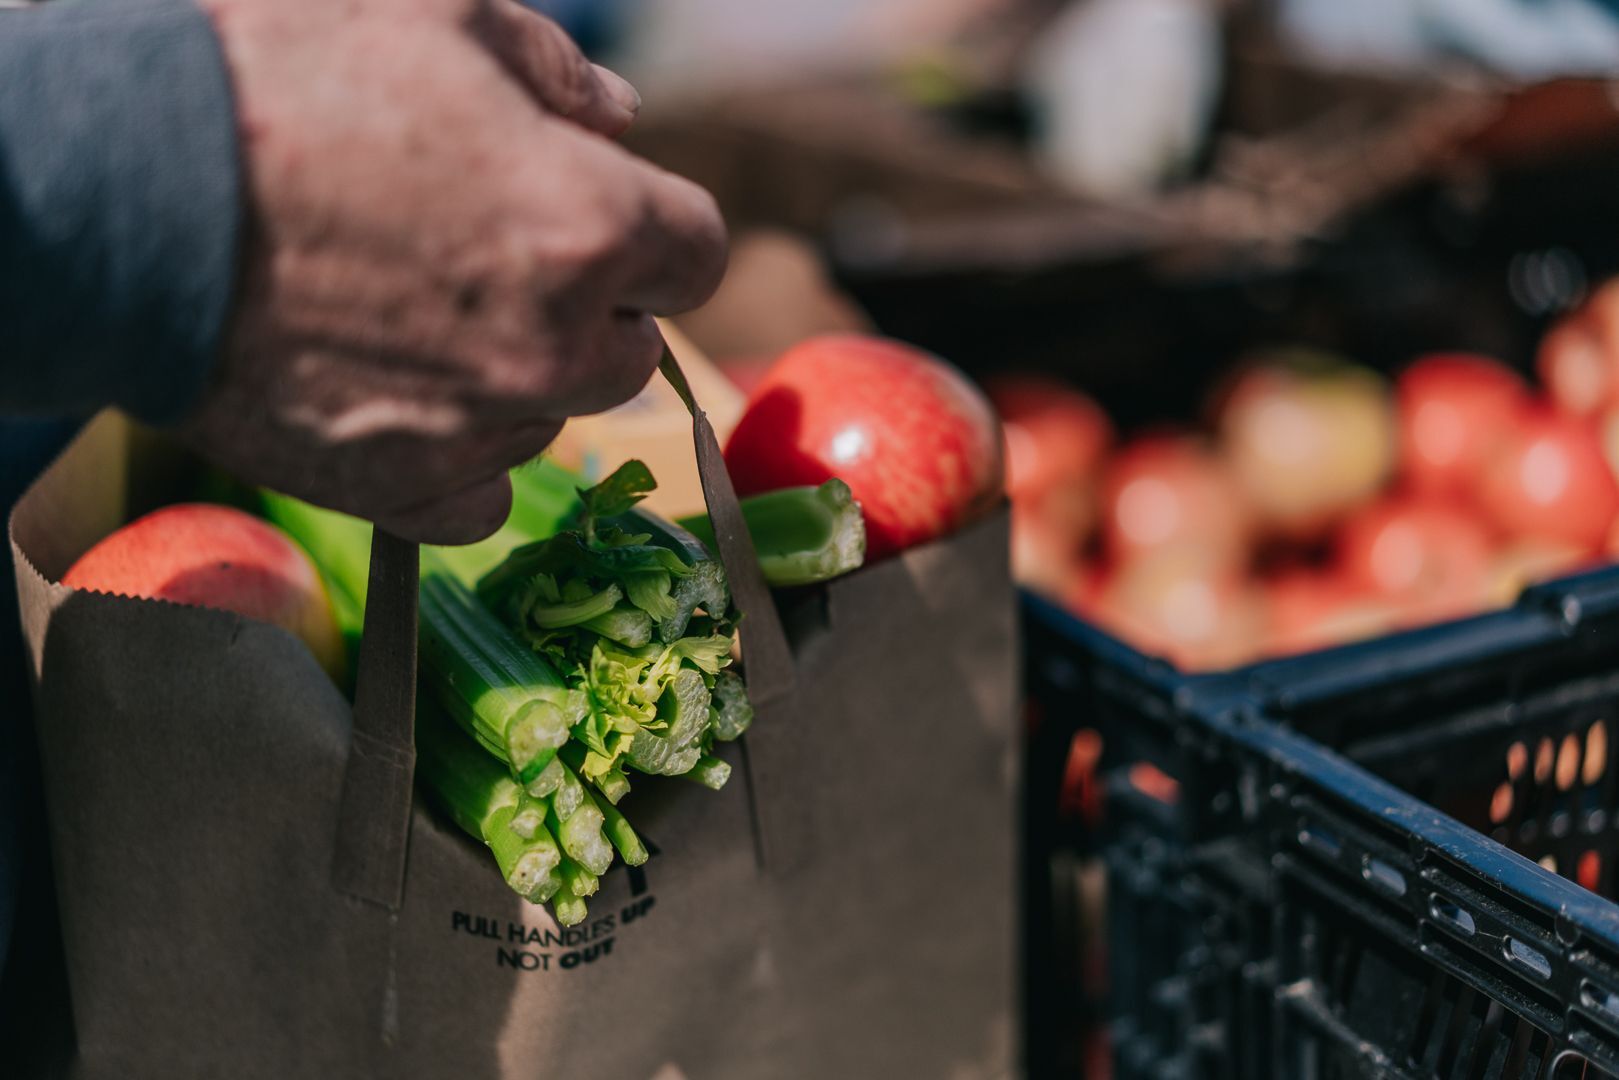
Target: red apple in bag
916, 442
203, 555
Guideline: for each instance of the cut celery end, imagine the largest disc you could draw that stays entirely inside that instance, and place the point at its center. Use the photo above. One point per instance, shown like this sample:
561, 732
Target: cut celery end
732, 711
802, 535
569, 795
529, 818
577, 880
710, 772
547, 781
524, 863
582, 839
684, 708
569, 909
616, 827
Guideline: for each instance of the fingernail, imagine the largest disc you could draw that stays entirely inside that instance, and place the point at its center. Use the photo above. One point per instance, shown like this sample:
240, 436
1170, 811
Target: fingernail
619, 89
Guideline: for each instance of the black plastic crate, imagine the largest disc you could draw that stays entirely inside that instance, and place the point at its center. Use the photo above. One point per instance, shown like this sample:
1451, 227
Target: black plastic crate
1278, 910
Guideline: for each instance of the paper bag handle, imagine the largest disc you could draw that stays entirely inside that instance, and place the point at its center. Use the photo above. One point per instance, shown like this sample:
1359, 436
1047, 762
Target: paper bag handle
373, 821
374, 815
766, 656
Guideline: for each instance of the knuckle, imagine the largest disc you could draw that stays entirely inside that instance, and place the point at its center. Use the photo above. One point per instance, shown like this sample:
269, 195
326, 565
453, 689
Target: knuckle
570, 80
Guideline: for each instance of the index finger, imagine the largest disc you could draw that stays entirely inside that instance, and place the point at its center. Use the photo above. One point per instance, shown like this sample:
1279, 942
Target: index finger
678, 254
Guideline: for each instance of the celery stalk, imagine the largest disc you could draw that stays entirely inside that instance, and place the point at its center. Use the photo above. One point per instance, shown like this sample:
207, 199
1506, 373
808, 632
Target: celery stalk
549, 779
494, 687
733, 712
683, 708
553, 616
802, 534
612, 785
570, 910
484, 801
710, 772
704, 587
617, 829
577, 880
623, 624
529, 820
569, 795
582, 839
527, 865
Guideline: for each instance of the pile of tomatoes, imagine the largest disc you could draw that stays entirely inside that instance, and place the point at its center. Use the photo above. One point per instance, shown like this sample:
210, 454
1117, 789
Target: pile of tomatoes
1319, 503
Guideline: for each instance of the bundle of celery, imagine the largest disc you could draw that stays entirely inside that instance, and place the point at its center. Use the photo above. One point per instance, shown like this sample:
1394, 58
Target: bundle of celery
585, 656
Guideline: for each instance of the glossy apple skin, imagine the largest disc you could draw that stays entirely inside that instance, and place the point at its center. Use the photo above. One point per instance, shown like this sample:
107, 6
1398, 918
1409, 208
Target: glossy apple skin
1431, 557
1168, 491
1547, 479
916, 442
1450, 407
203, 555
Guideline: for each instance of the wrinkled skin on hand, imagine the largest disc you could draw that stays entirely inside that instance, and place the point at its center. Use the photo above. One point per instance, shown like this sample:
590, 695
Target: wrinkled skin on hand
446, 255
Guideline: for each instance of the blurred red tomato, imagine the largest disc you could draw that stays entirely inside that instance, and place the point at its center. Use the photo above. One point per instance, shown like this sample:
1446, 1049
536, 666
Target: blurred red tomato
1450, 406
1309, 437
1578, 360
1182, 606
1546, 478
911, 436
1054, 434
1164, 492
1424, 554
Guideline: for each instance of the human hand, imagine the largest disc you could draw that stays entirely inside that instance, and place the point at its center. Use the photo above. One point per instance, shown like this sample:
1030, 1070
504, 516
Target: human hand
445, 257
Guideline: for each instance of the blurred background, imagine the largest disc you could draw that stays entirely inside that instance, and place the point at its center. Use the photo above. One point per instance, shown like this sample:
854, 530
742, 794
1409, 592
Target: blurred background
1203, 253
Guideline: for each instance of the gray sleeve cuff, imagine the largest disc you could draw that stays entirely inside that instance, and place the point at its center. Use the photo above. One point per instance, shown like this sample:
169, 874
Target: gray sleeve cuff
119, 205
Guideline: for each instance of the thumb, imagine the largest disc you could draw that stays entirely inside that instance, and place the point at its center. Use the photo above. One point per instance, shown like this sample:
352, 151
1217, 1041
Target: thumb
540, 55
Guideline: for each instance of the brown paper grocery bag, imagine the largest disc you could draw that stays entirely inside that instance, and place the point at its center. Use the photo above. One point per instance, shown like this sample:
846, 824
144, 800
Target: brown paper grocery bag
232, 905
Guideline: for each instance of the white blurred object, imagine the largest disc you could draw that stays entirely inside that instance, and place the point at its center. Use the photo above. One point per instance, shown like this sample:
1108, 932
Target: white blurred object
1526, 39
1124, 91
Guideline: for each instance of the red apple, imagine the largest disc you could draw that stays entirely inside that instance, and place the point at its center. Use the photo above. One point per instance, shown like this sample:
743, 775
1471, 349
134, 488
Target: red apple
1178, 605
1055, 437
1309, 610
1054, 434
1450, 407
1043, 554
1547, 479
204, 555
1426, 555
1165, 492
1309, 438
1578, 360
912, 437
1529, 562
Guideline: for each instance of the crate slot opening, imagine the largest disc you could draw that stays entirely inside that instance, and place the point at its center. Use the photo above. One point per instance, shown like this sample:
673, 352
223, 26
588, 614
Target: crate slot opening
1383, 876
1594, 997
1531, 960
1458, 919
1316, 839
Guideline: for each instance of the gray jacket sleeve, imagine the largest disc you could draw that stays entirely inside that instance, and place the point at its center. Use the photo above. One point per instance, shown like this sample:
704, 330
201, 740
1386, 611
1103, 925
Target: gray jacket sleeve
119, 205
